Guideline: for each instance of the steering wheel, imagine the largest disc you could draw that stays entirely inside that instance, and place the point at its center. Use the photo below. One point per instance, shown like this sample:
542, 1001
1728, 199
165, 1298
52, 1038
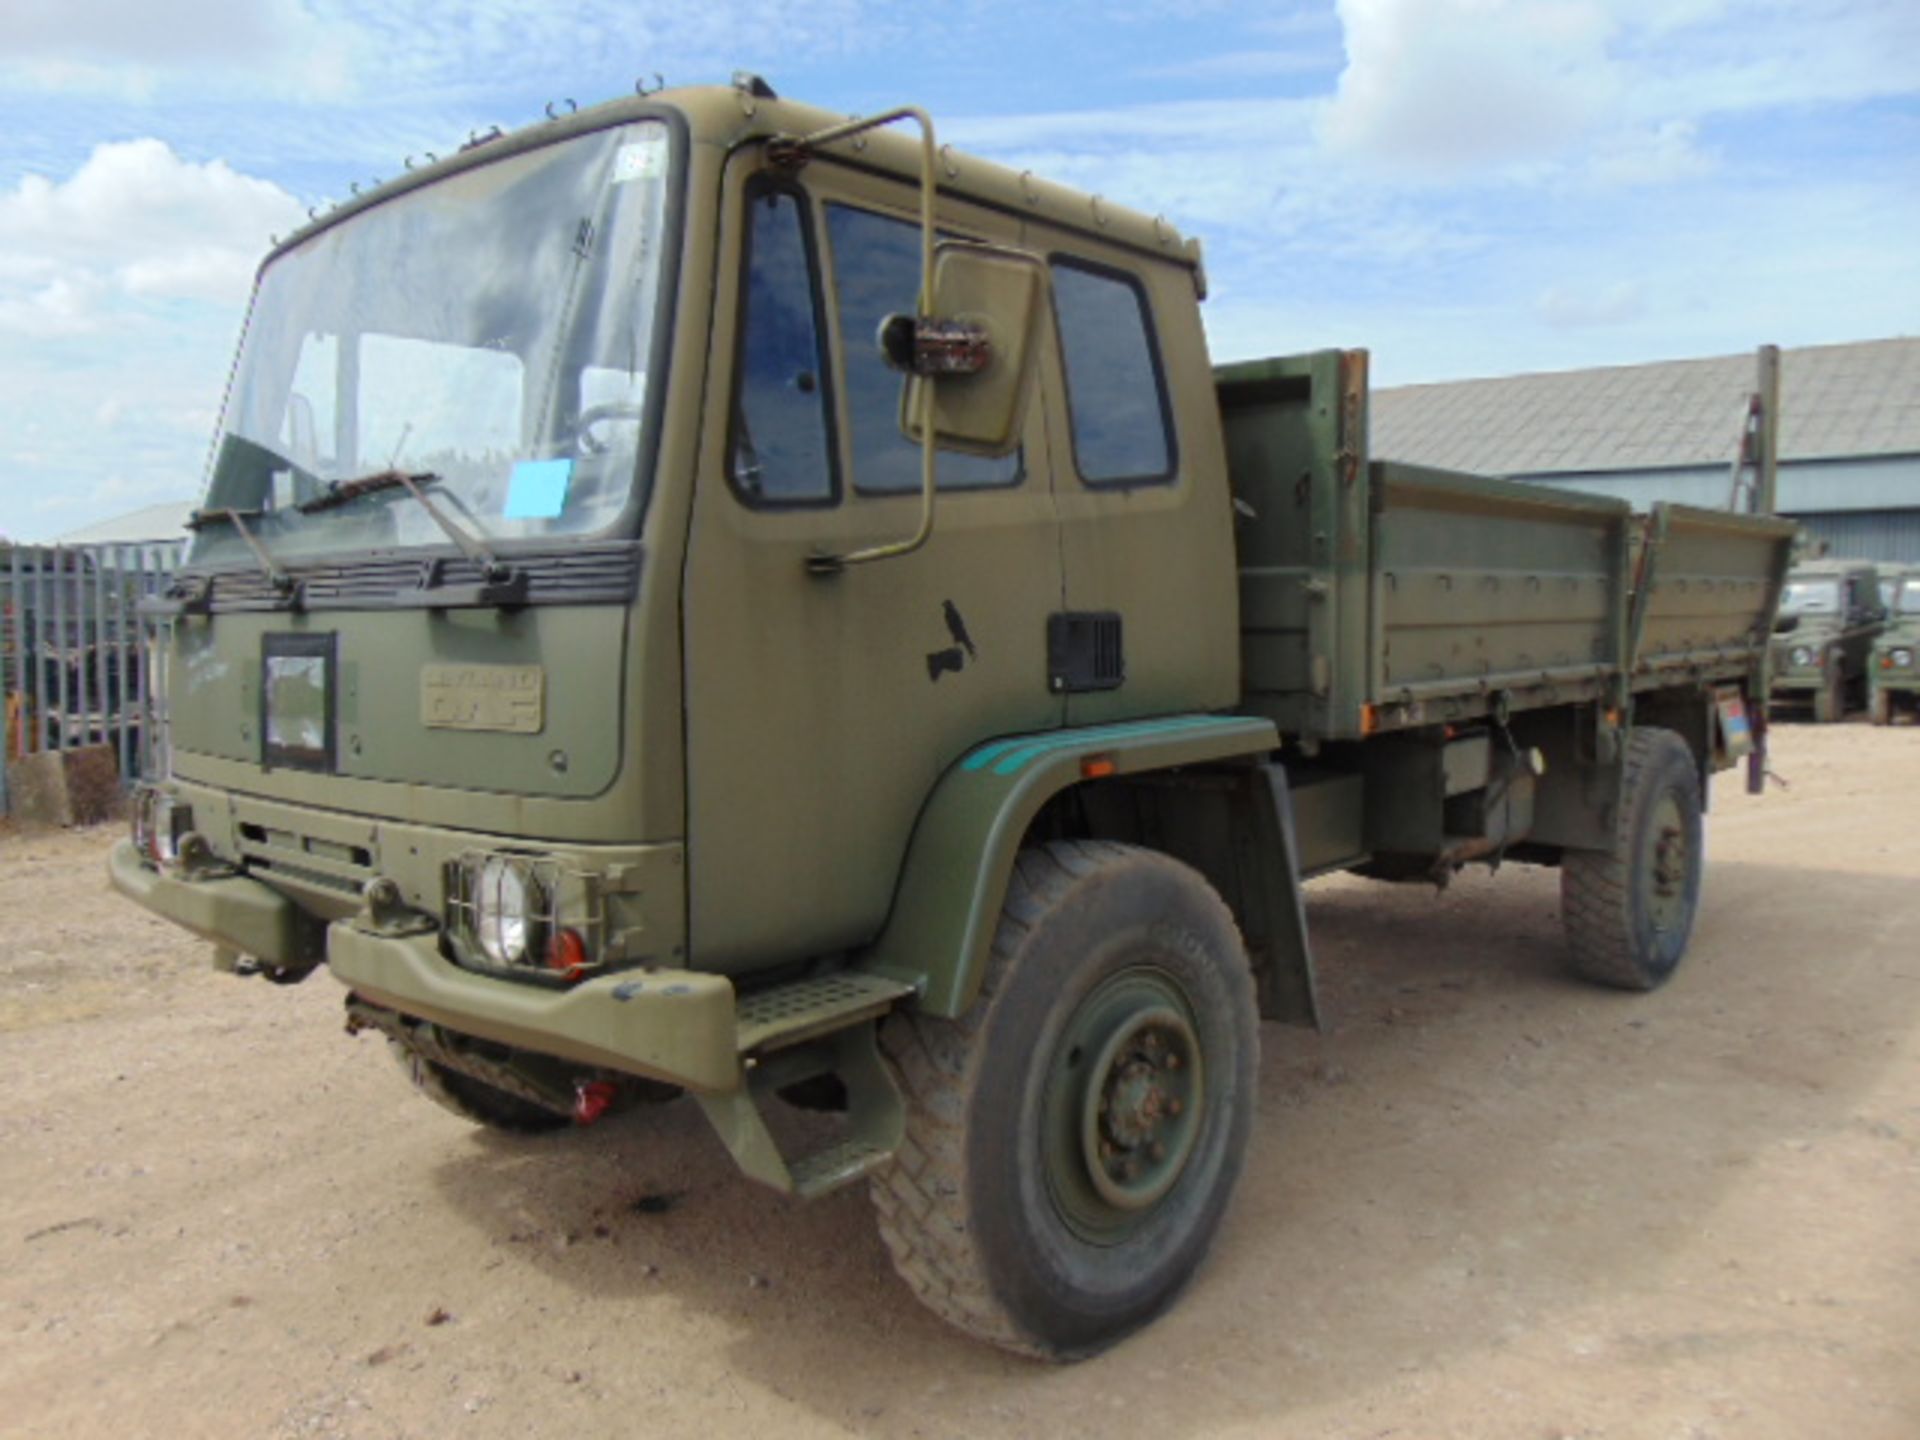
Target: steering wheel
593, 415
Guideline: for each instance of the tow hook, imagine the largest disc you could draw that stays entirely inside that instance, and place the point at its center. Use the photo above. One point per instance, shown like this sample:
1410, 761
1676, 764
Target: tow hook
591, 1100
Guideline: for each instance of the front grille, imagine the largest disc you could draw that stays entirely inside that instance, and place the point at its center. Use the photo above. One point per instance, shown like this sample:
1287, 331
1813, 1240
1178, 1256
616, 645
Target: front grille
305, 859
603, 573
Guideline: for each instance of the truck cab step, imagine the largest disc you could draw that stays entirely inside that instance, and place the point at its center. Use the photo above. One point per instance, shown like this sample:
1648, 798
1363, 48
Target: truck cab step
806, 1009
840, 1164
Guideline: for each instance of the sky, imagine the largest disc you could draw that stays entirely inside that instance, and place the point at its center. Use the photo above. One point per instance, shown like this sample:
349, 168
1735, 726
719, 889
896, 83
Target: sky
1465, 187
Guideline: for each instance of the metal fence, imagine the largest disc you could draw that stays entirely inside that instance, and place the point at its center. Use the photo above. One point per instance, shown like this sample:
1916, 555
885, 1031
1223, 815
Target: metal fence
77, 664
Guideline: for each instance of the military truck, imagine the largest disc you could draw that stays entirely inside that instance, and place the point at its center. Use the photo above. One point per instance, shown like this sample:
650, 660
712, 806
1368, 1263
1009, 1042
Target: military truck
1830, 614
1893, 676
709, 598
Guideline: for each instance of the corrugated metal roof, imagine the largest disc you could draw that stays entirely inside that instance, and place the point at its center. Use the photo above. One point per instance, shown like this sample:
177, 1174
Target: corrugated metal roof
155, 522
1861, 399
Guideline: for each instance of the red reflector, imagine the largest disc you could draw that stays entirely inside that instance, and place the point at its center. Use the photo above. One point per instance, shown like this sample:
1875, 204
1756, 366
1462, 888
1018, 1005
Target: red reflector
567, 953
1097, 767
591, 1099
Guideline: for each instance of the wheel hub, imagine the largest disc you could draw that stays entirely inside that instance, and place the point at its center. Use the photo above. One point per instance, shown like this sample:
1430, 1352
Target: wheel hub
1140, 1122
1126, 1104
1668, 868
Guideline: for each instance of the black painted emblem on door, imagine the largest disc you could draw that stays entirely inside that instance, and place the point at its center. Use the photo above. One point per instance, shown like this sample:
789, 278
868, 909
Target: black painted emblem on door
953, 659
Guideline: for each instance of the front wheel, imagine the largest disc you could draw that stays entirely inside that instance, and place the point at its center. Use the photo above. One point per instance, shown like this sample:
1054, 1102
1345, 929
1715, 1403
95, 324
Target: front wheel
1628, 911
1072, 1140
474, 1100
1882, 707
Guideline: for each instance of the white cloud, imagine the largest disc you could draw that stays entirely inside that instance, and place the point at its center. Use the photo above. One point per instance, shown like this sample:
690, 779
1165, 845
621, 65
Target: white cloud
1667, 152
121, 290
132, 49
1566, 307
1451, 85
143, 32
138, 220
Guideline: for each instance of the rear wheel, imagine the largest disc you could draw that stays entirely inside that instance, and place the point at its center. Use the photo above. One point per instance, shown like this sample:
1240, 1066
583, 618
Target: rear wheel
1628, 911
1072, 1141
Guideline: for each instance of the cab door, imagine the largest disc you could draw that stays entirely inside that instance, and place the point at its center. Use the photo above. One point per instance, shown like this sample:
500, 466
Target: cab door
1147, 539
821, 708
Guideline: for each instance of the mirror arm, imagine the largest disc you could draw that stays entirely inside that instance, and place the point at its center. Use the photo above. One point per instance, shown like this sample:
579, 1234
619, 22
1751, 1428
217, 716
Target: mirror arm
785, 151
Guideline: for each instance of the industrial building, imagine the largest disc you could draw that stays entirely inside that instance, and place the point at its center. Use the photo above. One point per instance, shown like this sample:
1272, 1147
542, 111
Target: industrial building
1849, 435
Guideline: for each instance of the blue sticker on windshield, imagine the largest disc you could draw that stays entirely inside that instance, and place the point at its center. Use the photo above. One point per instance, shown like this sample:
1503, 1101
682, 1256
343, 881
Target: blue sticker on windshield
537, 489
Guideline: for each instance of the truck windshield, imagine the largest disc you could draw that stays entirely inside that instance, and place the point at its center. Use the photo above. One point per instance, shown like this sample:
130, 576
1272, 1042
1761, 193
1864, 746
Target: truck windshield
492, 329
1910, 597
1810, 597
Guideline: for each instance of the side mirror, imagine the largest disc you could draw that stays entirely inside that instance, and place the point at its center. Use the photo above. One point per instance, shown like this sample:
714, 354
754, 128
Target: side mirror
977, 352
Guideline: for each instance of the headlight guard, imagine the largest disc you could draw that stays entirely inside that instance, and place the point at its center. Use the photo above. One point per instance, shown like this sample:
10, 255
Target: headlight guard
525, 915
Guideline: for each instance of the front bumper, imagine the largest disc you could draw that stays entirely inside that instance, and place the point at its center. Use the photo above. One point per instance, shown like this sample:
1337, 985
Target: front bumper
229, 910
671, 1025
1800, 683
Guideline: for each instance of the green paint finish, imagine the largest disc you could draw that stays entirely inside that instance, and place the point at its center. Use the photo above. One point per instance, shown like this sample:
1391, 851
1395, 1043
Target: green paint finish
378, 662
672, 1025
772, 763
955, 874
1008, 757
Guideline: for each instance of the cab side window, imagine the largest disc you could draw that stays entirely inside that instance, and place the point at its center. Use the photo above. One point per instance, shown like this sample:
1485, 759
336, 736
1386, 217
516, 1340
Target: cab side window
876, 273
781, 450
1115, 392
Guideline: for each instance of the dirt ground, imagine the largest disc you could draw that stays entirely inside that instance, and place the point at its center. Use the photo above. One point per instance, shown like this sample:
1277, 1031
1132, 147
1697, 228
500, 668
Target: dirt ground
1486, 1202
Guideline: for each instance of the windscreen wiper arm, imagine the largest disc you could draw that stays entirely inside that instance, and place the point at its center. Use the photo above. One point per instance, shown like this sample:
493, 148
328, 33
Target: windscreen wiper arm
500, 584
200, 519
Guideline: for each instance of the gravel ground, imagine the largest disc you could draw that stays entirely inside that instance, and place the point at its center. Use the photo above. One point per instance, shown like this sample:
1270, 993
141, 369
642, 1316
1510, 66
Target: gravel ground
1485, 1202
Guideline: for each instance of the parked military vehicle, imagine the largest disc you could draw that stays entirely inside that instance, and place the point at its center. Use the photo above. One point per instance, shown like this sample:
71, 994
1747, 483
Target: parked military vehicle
631, 679
1893, 670
1829, 617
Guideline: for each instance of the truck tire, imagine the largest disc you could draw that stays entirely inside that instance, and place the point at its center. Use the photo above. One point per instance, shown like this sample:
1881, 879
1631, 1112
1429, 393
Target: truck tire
1073, 1139
1881, 711
1628, 911
475, 1100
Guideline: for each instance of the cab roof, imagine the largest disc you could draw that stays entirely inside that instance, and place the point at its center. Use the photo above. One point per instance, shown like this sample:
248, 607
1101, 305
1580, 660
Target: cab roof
748, 112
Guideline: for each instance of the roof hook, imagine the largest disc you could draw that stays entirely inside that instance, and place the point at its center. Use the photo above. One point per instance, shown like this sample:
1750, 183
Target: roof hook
572, 109
659, 84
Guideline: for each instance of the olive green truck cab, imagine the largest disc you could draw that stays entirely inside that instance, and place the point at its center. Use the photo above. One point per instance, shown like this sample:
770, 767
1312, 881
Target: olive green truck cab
1830, 616
1893, 670
632, 680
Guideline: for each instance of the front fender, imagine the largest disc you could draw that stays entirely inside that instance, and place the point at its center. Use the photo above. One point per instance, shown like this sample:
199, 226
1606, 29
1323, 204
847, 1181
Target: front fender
954, 881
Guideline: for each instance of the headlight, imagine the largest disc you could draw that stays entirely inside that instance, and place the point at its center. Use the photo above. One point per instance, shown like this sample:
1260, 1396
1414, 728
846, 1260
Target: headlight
510, 911
1903, 657
158, 821
1801, 656
502, 909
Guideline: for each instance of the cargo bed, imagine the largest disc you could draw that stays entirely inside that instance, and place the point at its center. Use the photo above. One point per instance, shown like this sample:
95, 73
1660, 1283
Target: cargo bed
1377, 596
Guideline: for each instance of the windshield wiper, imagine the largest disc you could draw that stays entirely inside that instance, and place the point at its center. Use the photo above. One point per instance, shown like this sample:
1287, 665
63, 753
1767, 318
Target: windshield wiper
200, 519
500, 584
339, 492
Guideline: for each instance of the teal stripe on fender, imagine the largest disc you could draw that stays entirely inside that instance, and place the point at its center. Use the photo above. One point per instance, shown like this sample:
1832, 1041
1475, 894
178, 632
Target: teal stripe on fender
1014, 755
